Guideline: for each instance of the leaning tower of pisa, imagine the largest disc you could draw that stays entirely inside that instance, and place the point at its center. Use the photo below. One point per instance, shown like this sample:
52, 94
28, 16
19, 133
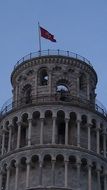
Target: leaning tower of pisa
53, 131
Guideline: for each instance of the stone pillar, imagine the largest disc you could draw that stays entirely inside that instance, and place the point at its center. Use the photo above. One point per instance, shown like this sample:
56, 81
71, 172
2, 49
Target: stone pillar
89, 136
16, 176
3, 141
19, 135
29, 131
40, 173
0, 178
78, 172
66, 173
7, 179
89, 177
88, 88
41, 131
66, 131
53, 130
105, 179
36, 83
53, 172
50, 81
104, 145
78, 86
78, 133
98, 140
10, 136
98, 177
27, 173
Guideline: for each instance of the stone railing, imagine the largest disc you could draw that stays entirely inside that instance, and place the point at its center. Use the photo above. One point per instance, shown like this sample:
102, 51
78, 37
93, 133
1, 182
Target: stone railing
11, 105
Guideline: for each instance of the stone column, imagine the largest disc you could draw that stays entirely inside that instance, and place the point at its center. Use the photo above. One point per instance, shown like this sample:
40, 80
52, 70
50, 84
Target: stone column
40, 173
78, 173
41, 131
88, 88
104, 144
98, 140
53, 172
66, 131
50, 82
53, 130
105, 179
16, 176
89, 136
7, 179
89, 177
19, 135
78, 133
3, 141
36, 83
10, 136
0, 178
78, 86
66, 173
98, 177
28, 173
29, 131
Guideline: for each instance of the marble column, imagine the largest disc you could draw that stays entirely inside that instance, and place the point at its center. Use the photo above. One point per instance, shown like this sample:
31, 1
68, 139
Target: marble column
27, 173
66, 131
0, 178
78, 133
7, 179
3, 141
98, 140
89, 177
16, 176
19, 135
40, 173
53, 130
78, 173
53, 172
66, 173
29, 131
41, 130
98, 178
89, 136
10, 136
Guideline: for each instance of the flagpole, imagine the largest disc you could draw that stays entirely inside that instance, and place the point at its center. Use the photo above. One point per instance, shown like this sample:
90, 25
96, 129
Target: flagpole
39, 37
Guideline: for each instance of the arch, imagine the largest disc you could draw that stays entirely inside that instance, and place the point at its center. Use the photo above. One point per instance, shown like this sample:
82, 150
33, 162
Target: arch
43, 77
72, 159
35, 132
60, 121
27, 94
34, 170
4, 176
83, 82
62, 88
72, 131
47, 131
59, 170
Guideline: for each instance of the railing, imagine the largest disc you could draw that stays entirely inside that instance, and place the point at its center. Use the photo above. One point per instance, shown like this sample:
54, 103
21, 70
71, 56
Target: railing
11, 105
52, 52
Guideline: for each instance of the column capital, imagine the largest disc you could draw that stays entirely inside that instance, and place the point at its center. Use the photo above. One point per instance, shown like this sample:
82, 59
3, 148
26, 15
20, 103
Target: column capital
78, 121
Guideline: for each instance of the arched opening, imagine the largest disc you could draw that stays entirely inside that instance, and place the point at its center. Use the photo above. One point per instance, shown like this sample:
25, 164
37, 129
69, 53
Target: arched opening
62, 90
24, 127
59, 171
83, 82
72, 129
47, 169
47, 131
72, 172
34, 171
35, 132
12, 174
14, 128
93, 135
27, 94
60, 127
43, 77
22, 173
84, 132
6, 141
4, 177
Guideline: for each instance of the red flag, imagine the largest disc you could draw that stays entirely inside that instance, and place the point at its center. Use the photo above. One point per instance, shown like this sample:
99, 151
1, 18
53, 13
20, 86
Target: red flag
45, 34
